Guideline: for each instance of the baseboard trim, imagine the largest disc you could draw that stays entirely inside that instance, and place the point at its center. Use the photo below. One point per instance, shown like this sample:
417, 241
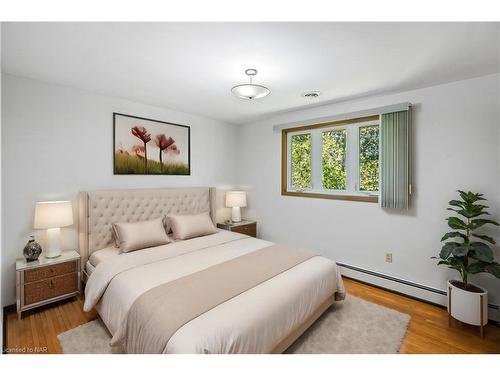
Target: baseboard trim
406, 287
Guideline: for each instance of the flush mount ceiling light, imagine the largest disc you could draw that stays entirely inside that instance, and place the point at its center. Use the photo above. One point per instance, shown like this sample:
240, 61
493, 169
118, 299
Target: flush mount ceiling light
250, 90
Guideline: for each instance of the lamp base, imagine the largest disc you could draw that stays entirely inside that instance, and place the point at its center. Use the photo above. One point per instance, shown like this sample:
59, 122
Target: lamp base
53, 245
236, 215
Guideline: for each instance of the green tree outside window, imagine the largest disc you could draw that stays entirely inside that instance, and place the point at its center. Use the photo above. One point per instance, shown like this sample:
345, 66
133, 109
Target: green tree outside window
369, 158
333, 155
301, 161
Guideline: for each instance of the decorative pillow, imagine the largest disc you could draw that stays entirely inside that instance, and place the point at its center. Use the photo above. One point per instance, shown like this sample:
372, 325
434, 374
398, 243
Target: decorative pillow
115, 235
139, 235
189, 226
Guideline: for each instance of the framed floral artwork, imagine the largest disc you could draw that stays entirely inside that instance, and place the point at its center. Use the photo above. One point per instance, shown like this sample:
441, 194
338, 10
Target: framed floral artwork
145, 146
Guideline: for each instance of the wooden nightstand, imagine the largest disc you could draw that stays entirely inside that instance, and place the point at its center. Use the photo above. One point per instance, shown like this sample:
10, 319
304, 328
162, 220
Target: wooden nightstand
46, 280
244, 227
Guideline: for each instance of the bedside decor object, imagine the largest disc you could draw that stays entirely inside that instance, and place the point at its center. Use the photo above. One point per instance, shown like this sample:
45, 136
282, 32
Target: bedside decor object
235, 200
470, 255
145, 146
32, 250
244, 227
52, 216
46, 280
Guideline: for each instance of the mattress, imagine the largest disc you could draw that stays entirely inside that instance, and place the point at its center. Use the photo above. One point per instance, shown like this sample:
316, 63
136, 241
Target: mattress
253, 322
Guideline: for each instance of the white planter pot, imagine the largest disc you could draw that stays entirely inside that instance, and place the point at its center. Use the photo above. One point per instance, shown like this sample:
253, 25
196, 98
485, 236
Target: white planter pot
467, 306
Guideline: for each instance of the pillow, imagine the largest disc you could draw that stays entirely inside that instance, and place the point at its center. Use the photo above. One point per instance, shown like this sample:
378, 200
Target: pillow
139, 235
189, 226
115, 235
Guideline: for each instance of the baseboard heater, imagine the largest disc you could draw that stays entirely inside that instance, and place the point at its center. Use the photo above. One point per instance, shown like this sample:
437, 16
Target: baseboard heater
406, 287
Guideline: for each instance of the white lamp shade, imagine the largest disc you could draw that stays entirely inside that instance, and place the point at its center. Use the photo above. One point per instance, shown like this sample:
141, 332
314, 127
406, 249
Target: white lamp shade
55, 214
236, 199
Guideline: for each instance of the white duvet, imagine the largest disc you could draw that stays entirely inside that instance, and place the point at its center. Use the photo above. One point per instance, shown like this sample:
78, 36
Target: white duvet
253, 322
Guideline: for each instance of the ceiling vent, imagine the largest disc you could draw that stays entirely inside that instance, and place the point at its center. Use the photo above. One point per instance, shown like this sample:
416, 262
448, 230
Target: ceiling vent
311, 94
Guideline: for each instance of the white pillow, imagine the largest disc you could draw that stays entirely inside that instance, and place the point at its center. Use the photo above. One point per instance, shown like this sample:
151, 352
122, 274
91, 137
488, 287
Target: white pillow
139, 235
189, 226
115, 235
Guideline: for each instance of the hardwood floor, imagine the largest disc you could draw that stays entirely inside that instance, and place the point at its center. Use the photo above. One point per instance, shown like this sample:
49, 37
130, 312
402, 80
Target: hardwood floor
428, 331
37, 331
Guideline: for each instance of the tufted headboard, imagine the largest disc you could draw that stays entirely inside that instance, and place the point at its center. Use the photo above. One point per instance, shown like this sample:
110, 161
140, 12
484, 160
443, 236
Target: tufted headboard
99, 209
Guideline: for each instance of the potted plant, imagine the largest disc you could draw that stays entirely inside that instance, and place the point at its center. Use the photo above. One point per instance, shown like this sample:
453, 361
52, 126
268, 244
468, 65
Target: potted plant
468, 252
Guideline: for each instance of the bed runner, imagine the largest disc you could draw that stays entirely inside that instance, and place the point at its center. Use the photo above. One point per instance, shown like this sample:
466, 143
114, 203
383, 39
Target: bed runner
158, 313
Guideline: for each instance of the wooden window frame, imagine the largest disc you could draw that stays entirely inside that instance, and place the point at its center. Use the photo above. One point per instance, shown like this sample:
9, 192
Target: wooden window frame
307, 194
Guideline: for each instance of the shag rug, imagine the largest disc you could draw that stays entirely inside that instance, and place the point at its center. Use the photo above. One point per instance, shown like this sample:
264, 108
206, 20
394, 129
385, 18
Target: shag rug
350, 326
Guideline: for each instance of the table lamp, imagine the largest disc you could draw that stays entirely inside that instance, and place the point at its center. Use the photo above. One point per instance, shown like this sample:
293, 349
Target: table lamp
52, 216
235, 200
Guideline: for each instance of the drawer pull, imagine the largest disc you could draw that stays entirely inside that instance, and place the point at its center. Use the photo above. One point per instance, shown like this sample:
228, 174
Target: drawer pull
51, 284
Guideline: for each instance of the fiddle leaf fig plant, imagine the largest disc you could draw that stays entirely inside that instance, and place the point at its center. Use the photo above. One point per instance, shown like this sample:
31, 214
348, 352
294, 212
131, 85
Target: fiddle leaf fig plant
464, 249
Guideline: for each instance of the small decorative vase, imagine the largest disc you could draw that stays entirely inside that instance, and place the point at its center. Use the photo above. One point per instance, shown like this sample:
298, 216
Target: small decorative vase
32, 250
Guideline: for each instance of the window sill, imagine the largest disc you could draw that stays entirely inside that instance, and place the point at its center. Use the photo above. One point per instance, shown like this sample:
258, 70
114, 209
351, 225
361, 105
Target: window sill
344, 197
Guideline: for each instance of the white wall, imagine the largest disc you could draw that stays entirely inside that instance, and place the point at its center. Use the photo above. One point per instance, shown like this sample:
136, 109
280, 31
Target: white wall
457, 132
58, 141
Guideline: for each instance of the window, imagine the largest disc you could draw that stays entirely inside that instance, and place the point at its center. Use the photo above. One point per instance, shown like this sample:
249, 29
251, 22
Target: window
333, 152
338, 160
369, 158
301, 161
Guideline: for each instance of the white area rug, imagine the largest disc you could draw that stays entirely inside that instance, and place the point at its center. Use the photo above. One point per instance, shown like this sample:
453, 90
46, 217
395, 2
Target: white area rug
350, 326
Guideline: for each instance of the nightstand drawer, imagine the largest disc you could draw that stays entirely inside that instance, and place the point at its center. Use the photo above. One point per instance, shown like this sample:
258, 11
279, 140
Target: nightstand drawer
49, 271
249, 230
50, 288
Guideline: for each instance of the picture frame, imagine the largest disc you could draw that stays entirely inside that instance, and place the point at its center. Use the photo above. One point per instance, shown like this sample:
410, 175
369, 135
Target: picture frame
143, 146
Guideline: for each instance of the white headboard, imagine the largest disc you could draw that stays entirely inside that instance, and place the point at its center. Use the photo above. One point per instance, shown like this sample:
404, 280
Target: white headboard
99, 209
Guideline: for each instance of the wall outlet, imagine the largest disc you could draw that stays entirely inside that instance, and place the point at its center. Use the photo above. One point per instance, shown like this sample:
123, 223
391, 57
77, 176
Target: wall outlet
388, 257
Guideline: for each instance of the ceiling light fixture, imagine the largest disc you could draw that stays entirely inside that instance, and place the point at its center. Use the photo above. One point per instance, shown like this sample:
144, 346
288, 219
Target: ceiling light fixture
250, 90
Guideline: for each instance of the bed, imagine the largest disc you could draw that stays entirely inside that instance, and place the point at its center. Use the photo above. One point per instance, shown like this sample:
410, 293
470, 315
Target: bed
264, 316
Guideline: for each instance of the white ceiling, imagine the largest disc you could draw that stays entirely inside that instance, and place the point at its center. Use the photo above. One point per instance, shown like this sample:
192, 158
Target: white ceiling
191, 67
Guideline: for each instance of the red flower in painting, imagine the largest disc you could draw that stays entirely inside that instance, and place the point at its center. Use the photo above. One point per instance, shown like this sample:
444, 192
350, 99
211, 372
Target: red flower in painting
141, 133
163, 142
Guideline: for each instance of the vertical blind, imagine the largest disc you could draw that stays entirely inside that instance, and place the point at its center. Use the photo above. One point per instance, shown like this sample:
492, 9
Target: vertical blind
395, 171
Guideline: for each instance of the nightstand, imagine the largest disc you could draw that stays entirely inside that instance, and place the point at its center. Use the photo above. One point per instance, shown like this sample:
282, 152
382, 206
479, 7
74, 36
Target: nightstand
46, 280
244, 227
